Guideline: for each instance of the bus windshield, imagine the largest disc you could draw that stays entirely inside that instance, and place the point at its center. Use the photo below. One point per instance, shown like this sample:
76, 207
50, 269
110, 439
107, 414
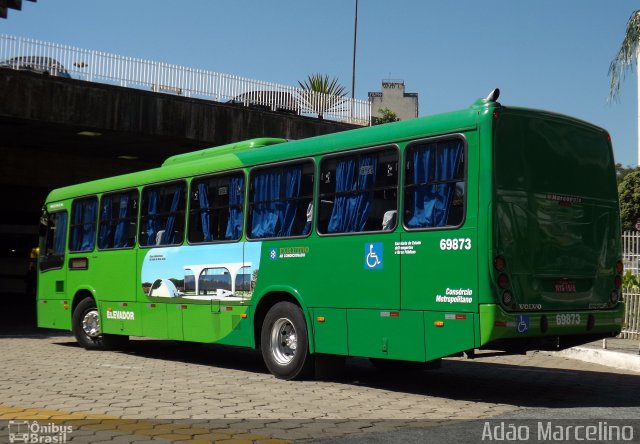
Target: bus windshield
555, 210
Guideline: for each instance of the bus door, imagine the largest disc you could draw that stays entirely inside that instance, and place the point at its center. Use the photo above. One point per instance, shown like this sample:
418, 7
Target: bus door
438, 248
103, 259
52, 272
352, 272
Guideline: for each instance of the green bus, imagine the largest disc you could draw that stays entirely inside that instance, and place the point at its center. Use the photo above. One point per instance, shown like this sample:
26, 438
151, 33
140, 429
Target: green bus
491, 227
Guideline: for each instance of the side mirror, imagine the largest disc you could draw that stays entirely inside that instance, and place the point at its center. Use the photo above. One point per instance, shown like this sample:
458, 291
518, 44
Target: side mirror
44, 223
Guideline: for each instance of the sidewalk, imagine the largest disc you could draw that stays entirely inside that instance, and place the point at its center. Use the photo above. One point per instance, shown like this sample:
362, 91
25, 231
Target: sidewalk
620, 353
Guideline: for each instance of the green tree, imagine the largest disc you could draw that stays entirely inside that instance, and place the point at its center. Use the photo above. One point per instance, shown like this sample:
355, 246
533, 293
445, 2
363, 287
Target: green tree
629, 191
321, 94
622, 171
627, 53
387, 117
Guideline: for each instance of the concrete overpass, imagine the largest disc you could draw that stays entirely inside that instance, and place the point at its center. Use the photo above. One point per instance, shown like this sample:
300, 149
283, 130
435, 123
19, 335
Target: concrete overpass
57, 131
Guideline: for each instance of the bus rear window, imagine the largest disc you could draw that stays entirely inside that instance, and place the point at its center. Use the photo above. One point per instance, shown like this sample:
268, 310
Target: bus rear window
542, 154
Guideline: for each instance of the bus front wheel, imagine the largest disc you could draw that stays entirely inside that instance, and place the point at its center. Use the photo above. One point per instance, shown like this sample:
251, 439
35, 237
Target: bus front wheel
285, 342
86, 328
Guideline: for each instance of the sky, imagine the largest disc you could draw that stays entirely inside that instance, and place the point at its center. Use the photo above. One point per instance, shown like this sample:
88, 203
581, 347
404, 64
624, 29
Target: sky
547, 54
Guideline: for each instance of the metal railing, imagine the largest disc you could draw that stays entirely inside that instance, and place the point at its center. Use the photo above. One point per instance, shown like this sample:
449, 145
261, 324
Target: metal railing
103, 67
631, 321
631, 252
631, 296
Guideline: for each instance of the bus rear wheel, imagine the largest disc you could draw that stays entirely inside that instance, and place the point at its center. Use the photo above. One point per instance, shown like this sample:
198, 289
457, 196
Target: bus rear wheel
85, 324
285, 342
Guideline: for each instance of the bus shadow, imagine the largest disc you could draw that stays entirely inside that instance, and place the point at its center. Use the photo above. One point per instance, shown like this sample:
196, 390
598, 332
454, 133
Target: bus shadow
522, 386
457, 379
31, 332
227, 357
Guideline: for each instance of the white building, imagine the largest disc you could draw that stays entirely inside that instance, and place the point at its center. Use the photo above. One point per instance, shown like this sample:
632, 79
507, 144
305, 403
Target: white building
394, 97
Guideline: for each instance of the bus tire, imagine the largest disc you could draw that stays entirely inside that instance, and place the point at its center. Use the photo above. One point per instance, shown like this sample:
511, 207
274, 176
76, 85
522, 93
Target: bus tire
284, 342
85, 325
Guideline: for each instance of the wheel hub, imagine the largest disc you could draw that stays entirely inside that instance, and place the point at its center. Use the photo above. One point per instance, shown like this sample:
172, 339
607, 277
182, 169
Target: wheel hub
91, 324
284, 341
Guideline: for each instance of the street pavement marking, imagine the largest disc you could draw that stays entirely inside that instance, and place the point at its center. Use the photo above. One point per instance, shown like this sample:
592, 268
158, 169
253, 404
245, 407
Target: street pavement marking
173, 432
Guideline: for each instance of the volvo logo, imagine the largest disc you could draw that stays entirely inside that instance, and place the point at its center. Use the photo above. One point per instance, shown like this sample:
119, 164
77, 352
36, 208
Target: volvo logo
530, 306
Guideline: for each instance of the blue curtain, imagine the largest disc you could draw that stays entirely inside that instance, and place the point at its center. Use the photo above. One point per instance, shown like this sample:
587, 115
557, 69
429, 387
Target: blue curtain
84, 221
266, 199
205, 216
345, 182
432, 202
291, 194
152, 211
168, 237
308, 218
76, 229
275, 200
60, 233
104, 234
236, 200
351, 210
89, 224
121, 239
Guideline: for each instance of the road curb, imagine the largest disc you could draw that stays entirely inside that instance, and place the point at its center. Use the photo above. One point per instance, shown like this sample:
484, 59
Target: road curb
624, 361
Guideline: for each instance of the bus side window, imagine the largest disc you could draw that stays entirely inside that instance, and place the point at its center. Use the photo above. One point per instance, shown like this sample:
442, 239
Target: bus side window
53, 242
83, 224
118, 218
280, 201
216, 209
162, 215
359, 192
434, 193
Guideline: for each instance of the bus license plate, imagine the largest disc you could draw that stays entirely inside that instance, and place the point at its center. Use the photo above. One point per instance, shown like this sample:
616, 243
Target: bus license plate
565, 286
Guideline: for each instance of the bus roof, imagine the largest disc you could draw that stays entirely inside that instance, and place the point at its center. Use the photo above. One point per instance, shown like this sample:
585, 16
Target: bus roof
256, 151
217, 150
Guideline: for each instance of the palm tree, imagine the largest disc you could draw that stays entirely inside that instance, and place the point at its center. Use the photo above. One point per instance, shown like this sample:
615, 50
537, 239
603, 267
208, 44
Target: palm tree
629, 50
320, 95
627, 53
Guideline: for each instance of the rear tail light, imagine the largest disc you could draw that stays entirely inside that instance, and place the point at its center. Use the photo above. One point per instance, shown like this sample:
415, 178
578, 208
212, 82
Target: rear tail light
617, 281
500, 264
503, 281
619, 267
507, 298
615, 296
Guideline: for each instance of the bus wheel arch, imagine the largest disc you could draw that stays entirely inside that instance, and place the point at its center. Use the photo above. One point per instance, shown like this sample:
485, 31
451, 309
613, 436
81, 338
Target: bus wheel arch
78, 297
85, 321
86, 325
283, 335
268, 300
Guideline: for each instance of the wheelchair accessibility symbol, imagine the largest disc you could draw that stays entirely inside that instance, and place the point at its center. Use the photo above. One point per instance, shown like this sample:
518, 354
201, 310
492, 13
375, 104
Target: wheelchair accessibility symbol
373, 256
522, 324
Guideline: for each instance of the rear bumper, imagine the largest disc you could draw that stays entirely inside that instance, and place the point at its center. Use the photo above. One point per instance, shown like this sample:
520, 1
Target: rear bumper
546, 330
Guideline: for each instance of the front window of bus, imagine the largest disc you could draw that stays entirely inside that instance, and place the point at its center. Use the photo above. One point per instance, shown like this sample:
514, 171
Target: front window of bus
52, 241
